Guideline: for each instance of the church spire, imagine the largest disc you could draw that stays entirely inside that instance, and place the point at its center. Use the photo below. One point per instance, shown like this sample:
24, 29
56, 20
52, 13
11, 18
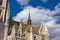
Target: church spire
29, 20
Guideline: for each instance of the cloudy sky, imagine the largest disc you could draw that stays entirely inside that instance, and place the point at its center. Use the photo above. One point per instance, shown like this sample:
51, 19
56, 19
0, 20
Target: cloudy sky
41, 11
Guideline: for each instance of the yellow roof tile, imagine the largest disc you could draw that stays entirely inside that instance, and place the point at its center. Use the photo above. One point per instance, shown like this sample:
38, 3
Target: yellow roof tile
28, 27
36, 29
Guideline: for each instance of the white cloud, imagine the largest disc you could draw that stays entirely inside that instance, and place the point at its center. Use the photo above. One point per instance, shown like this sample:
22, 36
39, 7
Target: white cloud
57, 38
57, 6
40, 15
51, 23
54, 30
23, 2
37, 15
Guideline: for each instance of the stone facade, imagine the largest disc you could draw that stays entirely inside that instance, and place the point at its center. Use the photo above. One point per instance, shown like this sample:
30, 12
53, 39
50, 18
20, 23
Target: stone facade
4, 16
29, 32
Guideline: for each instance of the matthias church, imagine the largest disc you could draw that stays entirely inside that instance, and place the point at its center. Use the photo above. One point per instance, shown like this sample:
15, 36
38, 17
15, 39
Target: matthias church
18, 30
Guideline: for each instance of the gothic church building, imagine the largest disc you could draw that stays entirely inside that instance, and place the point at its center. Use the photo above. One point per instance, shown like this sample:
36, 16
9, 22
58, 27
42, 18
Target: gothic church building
21, 31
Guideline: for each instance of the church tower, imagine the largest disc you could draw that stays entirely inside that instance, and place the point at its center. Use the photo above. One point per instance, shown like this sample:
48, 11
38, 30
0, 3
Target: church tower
3, 10
29, 20
45, 34
5, 16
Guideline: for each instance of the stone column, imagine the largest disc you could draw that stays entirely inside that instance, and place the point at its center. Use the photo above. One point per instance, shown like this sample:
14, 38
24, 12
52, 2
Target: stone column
6, 32
7, 15
31, 38
3, 12
29, 35
45, 32
20, 30
6, 22
39, 36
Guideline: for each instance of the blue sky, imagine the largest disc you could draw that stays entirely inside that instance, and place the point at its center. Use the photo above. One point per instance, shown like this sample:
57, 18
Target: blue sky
15, 7
41, 11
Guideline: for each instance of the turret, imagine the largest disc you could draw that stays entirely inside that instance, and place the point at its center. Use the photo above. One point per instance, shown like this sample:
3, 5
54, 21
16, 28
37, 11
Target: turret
45, 34
5, 17
20, 28
29, 20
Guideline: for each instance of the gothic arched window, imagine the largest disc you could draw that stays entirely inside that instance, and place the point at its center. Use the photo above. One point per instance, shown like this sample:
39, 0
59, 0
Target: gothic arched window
43, 37
34, 37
